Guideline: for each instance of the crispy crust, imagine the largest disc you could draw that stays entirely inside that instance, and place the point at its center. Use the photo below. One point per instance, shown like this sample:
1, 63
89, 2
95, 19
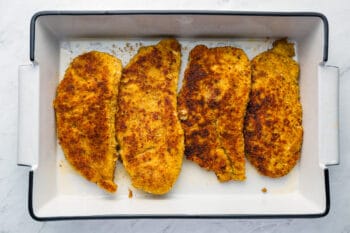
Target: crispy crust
149, 133
85, 108
273, 125
212, 105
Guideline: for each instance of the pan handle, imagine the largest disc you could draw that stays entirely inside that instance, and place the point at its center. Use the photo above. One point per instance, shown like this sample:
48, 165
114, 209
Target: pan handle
28, 115
328, 111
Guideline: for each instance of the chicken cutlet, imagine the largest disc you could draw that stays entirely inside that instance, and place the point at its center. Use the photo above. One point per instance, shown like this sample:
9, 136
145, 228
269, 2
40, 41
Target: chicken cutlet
148, 130
212, 105
273, 125
85, 108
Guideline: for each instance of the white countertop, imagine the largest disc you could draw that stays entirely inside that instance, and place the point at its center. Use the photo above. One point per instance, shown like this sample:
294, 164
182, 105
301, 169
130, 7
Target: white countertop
14, 50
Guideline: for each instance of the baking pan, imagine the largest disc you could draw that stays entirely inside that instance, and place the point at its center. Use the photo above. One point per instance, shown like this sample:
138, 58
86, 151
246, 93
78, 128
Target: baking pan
57, 192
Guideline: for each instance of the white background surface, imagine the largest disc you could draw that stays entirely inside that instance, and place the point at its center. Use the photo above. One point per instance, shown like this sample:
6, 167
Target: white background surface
14, 50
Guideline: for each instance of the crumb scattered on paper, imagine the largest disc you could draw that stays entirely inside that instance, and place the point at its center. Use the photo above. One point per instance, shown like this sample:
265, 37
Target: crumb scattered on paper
264, 190
130, 193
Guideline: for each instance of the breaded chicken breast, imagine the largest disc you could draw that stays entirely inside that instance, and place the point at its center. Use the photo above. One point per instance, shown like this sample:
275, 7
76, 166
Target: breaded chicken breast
273, 125
148, 130
85, 108
212, 105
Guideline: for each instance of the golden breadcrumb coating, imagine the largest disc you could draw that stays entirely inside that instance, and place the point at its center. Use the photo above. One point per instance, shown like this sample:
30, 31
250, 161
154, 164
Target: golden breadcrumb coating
212, 104
85, 108
149, 133
273, 125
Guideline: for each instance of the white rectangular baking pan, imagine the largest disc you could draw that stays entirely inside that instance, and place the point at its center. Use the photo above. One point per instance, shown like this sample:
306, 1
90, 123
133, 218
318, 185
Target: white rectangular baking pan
58, 192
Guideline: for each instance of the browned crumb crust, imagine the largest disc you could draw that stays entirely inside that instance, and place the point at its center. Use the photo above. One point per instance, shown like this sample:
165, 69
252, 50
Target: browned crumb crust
85, 108
212, 105
149, 133
273, 125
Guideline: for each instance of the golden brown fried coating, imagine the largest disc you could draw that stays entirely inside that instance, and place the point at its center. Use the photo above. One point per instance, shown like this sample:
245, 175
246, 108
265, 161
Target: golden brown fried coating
212, 105
149, 133
273, 125
85, 108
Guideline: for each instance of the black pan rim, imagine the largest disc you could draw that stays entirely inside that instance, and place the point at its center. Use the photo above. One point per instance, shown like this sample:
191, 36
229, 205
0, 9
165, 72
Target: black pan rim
39, 14
150, 216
